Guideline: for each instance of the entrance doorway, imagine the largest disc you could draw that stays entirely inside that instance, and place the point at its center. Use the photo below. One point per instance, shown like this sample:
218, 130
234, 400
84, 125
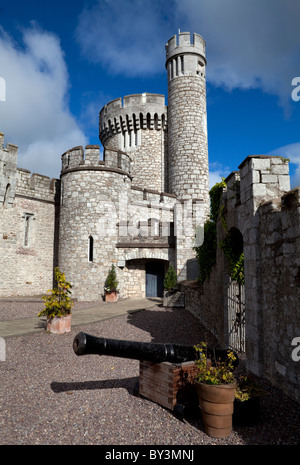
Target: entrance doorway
155, 272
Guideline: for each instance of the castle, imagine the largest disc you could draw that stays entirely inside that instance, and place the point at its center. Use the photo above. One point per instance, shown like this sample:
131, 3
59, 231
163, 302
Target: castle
138, 208
142, 208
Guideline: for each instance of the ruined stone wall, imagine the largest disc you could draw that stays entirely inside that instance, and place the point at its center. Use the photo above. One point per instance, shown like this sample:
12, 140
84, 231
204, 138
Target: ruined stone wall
260, 205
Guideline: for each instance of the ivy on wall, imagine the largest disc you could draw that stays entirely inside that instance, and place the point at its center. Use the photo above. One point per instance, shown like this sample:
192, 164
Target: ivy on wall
232, 244
207, 253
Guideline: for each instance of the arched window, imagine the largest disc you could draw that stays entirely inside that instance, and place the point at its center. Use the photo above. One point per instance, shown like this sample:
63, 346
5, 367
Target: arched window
91, 249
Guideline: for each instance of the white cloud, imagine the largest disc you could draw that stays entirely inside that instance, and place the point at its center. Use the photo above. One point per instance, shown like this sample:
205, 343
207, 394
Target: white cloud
216, 173
249, 44
35, 115
125, 36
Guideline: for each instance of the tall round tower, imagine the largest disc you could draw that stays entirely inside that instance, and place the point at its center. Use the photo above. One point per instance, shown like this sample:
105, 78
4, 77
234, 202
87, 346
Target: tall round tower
187, 122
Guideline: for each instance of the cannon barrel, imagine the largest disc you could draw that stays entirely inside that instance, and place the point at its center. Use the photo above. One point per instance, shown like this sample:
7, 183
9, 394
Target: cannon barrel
86, 344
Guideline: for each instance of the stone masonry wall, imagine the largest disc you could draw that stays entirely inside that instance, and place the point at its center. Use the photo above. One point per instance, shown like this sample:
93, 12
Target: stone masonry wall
27, 269
258, 203
280, 283
149, 161
28, 227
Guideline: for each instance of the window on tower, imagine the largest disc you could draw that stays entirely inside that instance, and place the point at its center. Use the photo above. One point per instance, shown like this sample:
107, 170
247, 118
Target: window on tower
27, 228
91, 249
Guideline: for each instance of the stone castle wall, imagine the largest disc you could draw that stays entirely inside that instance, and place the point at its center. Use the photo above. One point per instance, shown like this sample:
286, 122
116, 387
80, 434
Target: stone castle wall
29, 206
260, 205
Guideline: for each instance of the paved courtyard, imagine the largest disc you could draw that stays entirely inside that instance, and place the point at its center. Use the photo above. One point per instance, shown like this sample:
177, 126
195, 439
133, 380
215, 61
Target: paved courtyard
48, 395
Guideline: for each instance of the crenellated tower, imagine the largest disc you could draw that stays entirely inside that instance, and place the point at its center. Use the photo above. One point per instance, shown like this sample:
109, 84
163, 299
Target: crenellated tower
137, 126
187, 121
187, 142
93, 193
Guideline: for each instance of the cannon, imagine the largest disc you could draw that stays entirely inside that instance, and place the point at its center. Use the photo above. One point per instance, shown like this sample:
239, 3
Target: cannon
167, 371
86, 344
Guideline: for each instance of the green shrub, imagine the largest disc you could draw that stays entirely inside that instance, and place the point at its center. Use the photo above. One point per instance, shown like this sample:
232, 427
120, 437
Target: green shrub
111, 283
58, 303
170, 280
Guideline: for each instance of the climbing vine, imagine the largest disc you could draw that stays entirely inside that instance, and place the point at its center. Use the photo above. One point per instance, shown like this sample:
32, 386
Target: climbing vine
233, 251
231, 245
207, 252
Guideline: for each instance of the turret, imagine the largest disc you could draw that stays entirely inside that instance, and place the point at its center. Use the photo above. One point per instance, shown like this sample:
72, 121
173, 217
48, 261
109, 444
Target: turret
187, 129
92, 192
187, 141
137, 126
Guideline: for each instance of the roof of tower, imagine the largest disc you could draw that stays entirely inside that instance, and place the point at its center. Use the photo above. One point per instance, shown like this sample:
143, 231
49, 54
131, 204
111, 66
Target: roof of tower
132, 113
185, 46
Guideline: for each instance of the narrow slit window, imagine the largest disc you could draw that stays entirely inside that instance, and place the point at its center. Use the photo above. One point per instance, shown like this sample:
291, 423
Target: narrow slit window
6, 196
91, 248
27, 230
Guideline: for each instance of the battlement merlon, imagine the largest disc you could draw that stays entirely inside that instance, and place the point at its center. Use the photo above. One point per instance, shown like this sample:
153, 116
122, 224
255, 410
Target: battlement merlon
8, 155
36, 186
78, 158
137, 111
185, 46
260, 178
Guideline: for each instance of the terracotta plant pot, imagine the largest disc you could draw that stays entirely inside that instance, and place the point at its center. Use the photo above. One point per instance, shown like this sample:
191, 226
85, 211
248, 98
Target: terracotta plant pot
59, 325
111, 296
216, 404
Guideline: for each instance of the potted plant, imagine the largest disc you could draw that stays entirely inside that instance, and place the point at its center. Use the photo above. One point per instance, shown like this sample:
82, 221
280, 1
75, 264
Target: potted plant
111, 286
58, 305
215, 384
172, 296
247, 401
170, 281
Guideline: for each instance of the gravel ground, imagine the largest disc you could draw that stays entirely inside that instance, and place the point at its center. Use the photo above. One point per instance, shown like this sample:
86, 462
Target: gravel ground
48, 395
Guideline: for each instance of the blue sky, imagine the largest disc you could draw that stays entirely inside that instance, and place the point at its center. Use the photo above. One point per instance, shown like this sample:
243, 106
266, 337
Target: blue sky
62, 61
